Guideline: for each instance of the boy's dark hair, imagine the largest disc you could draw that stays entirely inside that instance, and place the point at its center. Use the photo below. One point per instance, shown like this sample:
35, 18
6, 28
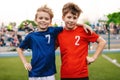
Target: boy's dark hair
72, 8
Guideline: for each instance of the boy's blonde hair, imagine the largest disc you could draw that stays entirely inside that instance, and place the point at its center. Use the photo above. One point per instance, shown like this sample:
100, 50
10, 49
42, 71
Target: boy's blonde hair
45, 9
72, 8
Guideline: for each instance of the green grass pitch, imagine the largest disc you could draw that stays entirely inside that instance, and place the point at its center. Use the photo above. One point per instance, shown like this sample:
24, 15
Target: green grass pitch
11, 68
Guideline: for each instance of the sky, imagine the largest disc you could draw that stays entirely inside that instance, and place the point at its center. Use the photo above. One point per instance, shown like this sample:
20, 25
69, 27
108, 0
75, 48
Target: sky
19, 10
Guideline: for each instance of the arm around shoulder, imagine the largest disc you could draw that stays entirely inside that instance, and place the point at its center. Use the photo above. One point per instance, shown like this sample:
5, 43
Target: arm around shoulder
86, 27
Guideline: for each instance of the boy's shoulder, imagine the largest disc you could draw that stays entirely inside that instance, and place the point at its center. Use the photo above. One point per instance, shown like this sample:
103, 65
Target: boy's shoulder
30, 34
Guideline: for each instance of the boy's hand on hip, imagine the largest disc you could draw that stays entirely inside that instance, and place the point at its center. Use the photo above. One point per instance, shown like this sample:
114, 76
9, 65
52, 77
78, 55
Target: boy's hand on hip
28, 66
90, 60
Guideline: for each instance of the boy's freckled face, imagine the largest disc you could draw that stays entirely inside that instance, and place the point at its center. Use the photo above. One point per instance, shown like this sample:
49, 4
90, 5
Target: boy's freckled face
43, 20
70, 20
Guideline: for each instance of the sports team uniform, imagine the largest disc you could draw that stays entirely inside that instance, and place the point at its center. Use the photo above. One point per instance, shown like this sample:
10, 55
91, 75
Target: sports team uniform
42, 45
74, 49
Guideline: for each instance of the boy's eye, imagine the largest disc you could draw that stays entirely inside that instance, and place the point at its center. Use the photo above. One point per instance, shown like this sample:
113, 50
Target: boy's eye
43, 18
74, 17
69, 17
46, 18
40, 17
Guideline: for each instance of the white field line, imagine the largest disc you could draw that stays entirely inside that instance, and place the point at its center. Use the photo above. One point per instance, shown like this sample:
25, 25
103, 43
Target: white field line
111, 60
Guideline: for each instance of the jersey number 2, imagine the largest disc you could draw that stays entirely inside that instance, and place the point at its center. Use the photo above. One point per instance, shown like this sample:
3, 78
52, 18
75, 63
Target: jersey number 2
77, 40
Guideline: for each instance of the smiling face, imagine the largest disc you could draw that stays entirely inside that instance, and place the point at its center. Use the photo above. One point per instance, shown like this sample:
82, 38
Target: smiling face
70, 15
70, 21
43, 17
43, 20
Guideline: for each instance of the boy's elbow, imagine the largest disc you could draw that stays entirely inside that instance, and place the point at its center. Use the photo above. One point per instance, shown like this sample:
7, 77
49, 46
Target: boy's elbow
19, 49
103, 42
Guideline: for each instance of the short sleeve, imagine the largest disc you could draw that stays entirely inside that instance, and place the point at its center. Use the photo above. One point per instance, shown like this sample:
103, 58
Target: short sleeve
25, 43
93, 37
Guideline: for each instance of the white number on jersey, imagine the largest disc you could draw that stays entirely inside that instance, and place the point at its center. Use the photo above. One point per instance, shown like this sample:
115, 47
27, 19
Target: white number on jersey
48, 37
77, 40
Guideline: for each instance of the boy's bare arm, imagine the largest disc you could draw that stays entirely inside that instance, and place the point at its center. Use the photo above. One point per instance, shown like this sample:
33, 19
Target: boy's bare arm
100, 47
23, 59
87, 28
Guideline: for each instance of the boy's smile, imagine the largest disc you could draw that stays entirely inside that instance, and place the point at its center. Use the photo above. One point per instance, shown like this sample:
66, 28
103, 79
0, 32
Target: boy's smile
43, 20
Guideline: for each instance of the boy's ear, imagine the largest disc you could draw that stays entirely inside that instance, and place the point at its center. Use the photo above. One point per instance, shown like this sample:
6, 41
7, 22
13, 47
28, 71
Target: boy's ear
63, 18
50, 21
